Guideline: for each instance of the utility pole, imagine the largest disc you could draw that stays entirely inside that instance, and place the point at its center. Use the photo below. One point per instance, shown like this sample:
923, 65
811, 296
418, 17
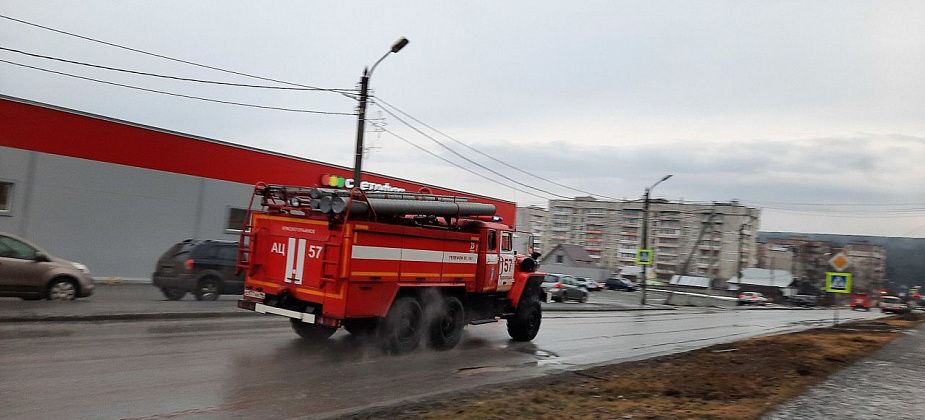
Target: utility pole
645, 235
361, 111
645, 242
361, 128
690, 256
741, 243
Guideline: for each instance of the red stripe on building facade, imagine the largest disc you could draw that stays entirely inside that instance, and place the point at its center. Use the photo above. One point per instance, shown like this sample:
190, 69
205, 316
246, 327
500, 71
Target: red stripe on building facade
47, 129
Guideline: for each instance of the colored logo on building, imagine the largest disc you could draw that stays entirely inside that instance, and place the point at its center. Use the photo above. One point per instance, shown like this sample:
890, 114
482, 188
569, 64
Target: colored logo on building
334, 181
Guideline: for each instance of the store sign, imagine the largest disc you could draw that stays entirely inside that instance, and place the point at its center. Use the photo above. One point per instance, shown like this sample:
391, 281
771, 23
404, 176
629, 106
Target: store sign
335, 181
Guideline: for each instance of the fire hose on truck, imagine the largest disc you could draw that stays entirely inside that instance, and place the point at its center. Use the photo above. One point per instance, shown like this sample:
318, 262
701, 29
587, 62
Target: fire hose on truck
402, 267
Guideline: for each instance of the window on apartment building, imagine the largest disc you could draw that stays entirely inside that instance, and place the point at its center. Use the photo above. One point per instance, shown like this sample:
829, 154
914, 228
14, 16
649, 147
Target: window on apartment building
235, 219
560, 259
6, 196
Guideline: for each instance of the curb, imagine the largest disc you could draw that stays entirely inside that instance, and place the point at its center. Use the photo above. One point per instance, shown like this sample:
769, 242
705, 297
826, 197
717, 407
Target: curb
127, 317
244, 314
605, 308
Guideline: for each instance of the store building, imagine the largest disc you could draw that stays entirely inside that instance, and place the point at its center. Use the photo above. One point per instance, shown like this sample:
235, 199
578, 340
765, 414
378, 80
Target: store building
115, 195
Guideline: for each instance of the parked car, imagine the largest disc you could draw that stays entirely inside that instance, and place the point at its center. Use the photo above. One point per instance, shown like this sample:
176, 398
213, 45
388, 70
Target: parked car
617, 283
590, 285
31, 273
751, 298
803, 300
562, 287
892, 304
204, 267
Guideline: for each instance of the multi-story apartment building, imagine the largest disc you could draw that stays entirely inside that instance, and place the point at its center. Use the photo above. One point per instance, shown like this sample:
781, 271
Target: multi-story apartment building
867, 266
808, 260
688, 238
534, 219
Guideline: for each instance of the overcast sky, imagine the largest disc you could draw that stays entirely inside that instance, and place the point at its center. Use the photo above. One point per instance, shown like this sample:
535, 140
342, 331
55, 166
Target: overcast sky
791, 106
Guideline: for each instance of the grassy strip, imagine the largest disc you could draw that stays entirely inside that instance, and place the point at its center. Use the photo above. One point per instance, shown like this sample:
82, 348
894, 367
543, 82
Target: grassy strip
740, 380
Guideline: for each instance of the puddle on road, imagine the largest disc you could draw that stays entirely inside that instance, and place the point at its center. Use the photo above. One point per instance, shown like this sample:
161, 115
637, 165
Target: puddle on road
543, 358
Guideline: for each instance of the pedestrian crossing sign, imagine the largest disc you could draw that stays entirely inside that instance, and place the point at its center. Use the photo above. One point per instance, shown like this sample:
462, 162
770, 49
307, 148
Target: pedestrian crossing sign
644, 256
836, 282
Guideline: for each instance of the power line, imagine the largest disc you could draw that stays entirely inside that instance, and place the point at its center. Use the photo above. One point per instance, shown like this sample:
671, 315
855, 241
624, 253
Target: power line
461, 156
848, 216
163, 76
111, 44
847, 211
838, 204
423, 149
308, 111
378, 99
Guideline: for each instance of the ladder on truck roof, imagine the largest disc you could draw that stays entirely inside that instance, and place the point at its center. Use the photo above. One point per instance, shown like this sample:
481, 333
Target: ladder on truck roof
247, 234
369, 204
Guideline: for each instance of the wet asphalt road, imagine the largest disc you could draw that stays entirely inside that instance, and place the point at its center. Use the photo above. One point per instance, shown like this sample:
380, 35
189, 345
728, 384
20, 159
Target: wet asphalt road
258, 368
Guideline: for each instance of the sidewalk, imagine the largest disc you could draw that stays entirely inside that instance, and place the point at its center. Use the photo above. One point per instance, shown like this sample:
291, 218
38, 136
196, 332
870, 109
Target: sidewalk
145, 302
887, 385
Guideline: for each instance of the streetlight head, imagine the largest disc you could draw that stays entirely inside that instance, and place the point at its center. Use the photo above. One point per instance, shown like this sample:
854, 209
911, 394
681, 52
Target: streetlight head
666, 177
398, 45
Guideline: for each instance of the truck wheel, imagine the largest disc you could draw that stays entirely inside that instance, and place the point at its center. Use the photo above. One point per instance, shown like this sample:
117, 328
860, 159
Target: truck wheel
402, 328
173, 294
312, 332
525, 323
446, 328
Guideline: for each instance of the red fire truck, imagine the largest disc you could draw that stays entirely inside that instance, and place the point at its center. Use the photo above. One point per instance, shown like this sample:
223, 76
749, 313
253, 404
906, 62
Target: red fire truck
403, 267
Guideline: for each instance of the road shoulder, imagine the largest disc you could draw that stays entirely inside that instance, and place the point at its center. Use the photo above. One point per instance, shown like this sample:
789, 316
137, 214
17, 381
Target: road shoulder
737, 380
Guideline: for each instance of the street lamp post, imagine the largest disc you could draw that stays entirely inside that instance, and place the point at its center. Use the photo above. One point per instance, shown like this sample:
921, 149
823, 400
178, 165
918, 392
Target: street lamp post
361, 114
645, 234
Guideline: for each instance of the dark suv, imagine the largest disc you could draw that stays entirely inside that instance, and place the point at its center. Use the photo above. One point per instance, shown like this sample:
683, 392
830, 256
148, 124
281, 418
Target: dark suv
204, 267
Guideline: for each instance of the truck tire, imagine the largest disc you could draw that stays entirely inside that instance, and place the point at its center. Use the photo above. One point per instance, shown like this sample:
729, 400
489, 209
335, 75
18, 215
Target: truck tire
401, 330
446, 328
525, 323
312, 332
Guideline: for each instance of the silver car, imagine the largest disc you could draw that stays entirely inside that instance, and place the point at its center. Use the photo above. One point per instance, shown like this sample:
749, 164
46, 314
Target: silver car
29, 272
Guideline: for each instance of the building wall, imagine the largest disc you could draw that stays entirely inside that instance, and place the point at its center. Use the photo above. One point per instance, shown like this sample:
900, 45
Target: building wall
534, 220
115, 195
116, 219
868, 266
611, 232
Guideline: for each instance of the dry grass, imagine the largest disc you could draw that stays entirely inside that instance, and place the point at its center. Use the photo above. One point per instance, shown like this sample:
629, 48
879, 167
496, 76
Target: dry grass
733, 381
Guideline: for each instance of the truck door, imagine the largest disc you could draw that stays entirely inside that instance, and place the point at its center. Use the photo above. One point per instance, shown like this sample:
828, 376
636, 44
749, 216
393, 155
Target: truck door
490, 269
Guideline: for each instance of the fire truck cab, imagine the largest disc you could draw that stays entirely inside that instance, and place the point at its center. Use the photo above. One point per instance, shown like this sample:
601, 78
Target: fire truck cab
402, 267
